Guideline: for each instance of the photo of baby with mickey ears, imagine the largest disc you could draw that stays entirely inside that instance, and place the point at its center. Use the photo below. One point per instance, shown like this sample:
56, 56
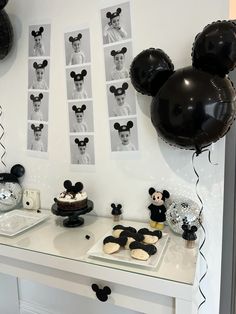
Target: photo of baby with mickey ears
82, 150
124, 136
116, 24
79, 82
37, 137
38, 75
121, 99
38, 106
81, 116
39, 40
117, 61
77, 47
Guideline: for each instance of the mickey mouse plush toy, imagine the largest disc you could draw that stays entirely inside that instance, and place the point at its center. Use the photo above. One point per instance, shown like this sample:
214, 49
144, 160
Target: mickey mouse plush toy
157, 208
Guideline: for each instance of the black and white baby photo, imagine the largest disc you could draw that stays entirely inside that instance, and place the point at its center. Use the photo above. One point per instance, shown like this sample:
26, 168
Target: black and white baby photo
37, 137
117, 61
39, 40
38, 74
116, 24
121, 99
78, 80
77, 47
124, 134
81, 116
38, 106
82, 149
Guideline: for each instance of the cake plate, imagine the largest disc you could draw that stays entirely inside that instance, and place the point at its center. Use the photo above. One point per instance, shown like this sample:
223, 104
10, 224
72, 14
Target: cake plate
73, 219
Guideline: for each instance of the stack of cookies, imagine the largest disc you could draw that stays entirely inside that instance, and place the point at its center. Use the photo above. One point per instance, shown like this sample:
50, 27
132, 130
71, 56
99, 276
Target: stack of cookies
140, 243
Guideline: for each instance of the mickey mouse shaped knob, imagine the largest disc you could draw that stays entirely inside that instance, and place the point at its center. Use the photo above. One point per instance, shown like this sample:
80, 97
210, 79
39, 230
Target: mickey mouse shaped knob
101, 294
116, 211
6, 31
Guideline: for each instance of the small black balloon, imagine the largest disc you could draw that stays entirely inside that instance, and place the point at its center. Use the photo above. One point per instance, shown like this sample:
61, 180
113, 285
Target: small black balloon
18, 170
193, 108
149, 70
214, 49
6, 31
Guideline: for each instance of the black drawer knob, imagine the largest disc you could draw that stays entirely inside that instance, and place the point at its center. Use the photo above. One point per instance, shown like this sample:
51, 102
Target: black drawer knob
101, 294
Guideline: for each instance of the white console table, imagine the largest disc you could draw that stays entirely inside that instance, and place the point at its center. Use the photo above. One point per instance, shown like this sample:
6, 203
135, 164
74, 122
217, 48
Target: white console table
57, 256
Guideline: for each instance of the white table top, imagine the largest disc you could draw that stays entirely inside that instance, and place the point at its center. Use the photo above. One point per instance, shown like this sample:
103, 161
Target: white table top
50, 237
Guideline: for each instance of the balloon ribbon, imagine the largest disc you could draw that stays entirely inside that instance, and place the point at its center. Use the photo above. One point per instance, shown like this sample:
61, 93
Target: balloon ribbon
195, 154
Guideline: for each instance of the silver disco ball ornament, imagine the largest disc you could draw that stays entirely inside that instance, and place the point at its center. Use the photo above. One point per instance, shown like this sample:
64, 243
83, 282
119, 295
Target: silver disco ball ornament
10, 189
182, 208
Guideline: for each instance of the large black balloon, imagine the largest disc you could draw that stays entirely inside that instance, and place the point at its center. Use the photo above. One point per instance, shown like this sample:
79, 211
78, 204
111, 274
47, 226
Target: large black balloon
6, 31
214, 49
193, 108
149, 71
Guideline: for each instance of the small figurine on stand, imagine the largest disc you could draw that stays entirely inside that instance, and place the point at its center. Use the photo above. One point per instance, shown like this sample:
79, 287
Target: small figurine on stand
157, 208
116, 211
189, 234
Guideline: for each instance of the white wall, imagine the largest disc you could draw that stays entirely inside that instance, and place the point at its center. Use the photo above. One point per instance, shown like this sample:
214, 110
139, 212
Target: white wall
170, 25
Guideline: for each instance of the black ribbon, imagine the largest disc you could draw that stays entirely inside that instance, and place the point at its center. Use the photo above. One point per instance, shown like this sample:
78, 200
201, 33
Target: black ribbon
1, 136
195, 154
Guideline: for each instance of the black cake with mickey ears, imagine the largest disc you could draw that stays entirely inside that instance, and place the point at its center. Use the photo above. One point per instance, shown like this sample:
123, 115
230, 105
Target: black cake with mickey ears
73, 197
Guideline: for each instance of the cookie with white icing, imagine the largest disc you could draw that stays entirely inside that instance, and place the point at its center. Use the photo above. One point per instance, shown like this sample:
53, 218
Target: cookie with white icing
112, 244
119, 228
150, 237
131, 236
142, 251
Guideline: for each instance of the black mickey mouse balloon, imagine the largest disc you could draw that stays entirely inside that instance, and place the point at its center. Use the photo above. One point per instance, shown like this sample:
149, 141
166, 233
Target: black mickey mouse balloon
193, 107
6, 31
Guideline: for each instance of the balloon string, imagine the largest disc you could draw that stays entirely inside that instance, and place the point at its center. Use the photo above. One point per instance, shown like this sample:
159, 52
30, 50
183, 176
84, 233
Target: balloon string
1, 136
195, 154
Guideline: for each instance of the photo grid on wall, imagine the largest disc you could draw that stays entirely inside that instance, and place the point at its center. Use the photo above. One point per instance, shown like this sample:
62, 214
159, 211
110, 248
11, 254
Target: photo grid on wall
79, 96
38, 87
121, 97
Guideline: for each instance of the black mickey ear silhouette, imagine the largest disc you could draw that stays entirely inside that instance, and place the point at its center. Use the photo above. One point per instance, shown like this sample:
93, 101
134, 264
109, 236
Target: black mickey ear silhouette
117, 126
40, 96
108, 15
74, 108
41, 126
106, 290
193, 228
33, 33
45, 63
41, 29
79, 186
118, 11
67, 184
123, 50
112, 89
86, 140
32, 126
71, 39
95, 287
32, 97
84, 73
119, 206
113, 53
113, 205
130, 124
35, 65
72, 74
79, 36
125, 86
151, 191
83, 107
77, 141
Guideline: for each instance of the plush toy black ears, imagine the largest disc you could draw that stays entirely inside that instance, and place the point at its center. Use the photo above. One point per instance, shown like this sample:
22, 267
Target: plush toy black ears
166, 194
151, 191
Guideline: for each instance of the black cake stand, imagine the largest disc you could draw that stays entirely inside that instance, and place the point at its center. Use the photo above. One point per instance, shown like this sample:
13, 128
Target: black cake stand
73, 219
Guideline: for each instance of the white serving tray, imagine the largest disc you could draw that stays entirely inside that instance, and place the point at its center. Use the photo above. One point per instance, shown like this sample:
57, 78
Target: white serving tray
17, 221
123, 255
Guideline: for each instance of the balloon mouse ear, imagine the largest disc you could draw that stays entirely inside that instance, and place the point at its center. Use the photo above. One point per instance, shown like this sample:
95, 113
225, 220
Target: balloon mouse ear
214, 49
149, 70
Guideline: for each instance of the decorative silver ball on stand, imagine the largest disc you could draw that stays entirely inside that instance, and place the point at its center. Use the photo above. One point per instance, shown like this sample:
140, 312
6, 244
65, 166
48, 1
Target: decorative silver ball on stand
182, 208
